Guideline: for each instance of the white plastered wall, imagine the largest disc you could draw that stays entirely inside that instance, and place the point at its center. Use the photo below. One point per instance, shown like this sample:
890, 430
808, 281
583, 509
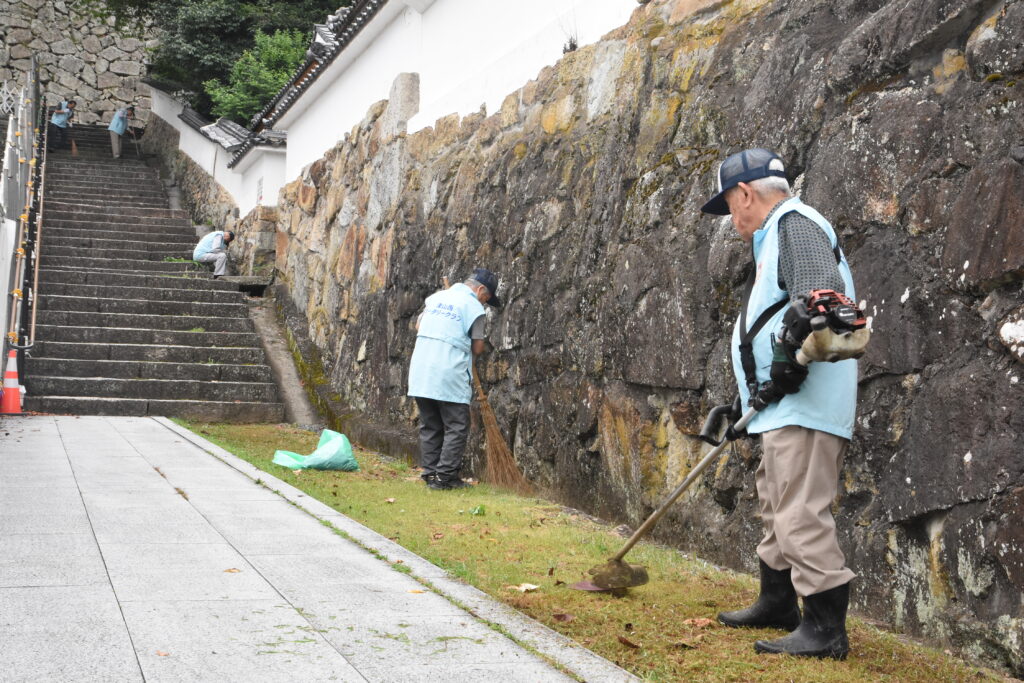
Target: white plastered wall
468, 54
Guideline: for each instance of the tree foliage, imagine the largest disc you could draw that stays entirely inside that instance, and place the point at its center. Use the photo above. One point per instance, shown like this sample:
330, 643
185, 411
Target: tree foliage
200, 40
257, 75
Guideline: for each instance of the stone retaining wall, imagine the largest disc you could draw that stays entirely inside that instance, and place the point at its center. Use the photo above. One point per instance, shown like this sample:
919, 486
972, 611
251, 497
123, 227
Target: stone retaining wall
901, 121
81, 57
202, 196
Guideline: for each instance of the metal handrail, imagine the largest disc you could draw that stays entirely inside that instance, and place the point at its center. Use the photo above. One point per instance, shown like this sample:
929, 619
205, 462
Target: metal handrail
21, 188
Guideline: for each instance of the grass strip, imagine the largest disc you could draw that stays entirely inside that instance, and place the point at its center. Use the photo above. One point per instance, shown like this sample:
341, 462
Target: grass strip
497, 542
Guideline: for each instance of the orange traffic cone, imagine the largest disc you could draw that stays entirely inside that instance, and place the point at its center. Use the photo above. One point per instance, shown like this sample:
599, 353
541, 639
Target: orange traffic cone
10, 404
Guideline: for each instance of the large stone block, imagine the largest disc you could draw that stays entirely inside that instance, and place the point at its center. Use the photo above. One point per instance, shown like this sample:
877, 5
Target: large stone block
64, 47
126, 68
113, 54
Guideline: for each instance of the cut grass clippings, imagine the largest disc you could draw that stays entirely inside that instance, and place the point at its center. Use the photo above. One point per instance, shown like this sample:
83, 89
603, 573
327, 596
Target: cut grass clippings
664, 631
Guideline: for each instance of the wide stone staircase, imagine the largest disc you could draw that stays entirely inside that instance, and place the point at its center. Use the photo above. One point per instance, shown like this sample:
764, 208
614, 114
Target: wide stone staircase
127, 323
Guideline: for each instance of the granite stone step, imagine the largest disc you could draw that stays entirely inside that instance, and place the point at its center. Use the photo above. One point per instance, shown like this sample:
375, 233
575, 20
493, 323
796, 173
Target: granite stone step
111, 335
108, 221
116, 278
133, 264
161, 389
101, 174
102, 211
85, 304
177, 229
148, 352
205, 371
208, 411
59, 237
84, 183
206, 296
145, 321
122, 254
66, 198
106, 192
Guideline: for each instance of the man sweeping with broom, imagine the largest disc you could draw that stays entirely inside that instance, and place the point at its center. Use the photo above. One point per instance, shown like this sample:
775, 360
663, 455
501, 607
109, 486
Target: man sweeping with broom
450, 331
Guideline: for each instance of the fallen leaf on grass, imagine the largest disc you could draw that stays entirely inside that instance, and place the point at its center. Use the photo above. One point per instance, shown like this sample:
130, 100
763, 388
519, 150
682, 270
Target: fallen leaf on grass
683, 646
523, 588
564, 618
551, 571
389, 500
437, 536
232, 571
559, 582
627, 626
161, 653
699, 622
628, 643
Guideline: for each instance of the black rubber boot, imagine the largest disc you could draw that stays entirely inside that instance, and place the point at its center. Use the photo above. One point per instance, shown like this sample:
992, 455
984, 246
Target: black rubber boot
823, 631
776, 607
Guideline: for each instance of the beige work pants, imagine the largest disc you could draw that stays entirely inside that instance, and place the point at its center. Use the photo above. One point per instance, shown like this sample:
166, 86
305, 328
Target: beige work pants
796, 483
115, 144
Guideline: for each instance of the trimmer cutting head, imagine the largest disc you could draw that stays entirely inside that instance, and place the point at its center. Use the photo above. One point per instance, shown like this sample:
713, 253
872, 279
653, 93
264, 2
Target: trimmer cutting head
618, 574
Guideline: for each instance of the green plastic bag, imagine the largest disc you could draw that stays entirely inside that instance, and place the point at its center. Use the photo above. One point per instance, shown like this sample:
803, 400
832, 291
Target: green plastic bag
334, 452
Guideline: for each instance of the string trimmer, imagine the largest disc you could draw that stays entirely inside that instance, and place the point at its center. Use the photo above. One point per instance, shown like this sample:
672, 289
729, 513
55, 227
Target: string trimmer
838, 331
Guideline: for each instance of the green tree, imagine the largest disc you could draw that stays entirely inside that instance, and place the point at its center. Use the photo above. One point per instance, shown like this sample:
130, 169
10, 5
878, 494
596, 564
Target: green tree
257, 75
200, 40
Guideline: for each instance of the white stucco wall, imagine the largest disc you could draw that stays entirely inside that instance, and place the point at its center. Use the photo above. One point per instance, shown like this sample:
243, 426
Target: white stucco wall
468, 53
207, 154
268, 165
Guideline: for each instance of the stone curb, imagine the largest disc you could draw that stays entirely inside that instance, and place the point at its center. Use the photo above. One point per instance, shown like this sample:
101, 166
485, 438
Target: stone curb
574, 658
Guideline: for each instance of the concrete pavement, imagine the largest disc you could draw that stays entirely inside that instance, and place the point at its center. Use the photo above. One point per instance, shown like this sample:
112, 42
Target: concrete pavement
135, 550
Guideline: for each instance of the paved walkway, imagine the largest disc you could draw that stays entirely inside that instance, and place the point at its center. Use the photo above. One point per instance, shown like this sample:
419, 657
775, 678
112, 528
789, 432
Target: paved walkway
134, 550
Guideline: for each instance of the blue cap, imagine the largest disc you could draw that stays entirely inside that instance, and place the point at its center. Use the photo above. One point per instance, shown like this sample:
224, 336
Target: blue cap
743, 167
490, 281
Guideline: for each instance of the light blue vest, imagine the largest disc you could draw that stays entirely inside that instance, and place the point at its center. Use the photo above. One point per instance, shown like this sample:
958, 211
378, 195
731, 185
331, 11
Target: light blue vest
827, 400
211, 241
61, 120
119, 124
441, 366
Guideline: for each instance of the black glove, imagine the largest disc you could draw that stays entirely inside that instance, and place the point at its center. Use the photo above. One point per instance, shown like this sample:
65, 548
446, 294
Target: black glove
786, 373
735, 414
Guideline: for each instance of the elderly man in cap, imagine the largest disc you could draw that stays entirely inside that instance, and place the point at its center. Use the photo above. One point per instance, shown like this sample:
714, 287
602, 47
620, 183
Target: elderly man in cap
213, 250
808, 423
450, 331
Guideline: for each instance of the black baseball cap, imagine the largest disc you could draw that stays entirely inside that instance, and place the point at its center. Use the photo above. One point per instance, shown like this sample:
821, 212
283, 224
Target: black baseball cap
743, 167
490, 281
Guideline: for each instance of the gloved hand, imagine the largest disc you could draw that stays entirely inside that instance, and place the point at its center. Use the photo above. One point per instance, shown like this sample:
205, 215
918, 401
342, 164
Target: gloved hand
786, 373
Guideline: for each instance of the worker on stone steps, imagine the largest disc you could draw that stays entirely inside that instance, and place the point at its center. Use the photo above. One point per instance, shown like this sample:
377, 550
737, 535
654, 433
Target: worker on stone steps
60, 121
449, 332
213, 249
118, 125
805, 434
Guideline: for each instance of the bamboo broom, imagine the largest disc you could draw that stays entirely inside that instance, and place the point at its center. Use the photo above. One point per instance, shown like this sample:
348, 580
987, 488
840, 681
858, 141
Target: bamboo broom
501, 467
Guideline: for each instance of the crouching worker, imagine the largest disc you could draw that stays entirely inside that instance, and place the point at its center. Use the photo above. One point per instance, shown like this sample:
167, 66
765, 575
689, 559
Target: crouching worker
449, 332
806, 430
213, 249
